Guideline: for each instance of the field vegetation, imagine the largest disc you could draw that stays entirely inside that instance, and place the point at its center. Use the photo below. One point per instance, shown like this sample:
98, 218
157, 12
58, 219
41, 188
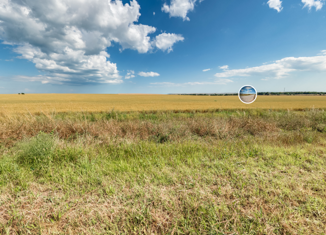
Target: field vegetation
173, 172
51, 103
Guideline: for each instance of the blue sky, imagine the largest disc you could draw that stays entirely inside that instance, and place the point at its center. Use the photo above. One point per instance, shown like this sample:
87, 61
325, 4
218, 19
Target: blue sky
161, 46
247, 90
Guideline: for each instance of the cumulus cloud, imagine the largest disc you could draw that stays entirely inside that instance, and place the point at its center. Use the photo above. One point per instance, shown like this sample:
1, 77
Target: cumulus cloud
217, 82
276, 4
164, 83
205, 70
313, 3
280, 68
67, 39
165, 41
57, 79
148, 74
70, 66
224, 67
130, 74
180, 8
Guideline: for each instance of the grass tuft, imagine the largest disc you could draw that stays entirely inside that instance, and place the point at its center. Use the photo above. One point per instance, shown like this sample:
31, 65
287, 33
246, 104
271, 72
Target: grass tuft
37, 151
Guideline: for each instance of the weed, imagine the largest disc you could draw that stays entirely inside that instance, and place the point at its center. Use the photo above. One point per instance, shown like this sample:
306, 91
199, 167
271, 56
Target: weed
37, 151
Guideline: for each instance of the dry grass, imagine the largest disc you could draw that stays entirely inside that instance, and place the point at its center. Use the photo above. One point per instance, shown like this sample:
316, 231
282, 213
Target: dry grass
228, 172
96, 103
166, 126
106, 130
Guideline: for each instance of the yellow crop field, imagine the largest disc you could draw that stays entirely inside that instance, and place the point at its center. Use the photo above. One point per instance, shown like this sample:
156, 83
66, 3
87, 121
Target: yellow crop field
101, 102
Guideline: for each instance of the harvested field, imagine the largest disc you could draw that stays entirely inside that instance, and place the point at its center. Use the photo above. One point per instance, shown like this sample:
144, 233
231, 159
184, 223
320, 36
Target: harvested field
34, 103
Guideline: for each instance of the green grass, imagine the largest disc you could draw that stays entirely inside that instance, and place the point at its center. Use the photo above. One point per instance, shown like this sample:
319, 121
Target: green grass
199, 185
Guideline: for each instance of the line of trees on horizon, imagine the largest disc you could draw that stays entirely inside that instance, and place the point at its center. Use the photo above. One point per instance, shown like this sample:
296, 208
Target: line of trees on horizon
259, 93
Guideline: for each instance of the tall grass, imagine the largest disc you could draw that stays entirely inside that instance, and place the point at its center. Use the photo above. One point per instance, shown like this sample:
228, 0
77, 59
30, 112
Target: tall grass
230, 172
276, 126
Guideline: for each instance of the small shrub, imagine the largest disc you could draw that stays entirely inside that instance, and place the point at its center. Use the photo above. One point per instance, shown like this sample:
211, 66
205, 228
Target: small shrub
41, 151
309, 137
292, 122
112, 115
321, 127
37, 151
92, 117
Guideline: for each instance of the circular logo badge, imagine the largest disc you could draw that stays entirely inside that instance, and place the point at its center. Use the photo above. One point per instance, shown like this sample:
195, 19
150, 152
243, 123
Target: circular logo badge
247, 94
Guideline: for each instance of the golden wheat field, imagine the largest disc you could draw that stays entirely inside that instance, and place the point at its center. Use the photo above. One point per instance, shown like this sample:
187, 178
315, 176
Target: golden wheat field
102, 102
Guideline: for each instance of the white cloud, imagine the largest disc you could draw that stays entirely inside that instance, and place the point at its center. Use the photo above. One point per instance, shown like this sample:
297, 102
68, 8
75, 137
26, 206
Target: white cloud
165, 41
70, 66
224, 67
164, 83
313, 3
180, 8
205, 70
276, 4
67, 39
130, 74
154, 13
217, 82
148, 74
280, 68
44, 79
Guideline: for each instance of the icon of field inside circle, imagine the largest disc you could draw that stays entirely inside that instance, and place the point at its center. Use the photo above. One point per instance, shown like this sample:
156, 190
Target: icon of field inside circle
247, 94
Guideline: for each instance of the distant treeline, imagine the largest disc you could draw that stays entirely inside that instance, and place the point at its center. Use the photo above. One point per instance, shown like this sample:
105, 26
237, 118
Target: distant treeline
259, 93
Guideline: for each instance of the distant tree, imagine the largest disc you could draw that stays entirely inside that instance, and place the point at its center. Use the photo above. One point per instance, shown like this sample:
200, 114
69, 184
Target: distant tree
259, 93
18, 93
23, 93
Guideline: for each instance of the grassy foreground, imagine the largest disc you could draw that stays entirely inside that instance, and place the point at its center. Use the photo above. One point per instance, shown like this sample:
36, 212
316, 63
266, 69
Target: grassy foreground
230, 172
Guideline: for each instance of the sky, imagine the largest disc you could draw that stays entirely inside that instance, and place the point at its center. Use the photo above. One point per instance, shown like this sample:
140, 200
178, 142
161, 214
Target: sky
161, 46
247, 90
